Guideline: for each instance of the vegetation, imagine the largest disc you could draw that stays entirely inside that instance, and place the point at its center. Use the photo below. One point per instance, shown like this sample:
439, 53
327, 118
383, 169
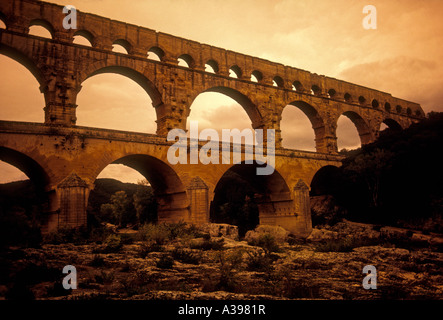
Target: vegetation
395, 181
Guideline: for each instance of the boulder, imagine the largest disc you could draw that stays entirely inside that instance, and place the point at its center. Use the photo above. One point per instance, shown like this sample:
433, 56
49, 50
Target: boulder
221, 230
280, 234
322, 234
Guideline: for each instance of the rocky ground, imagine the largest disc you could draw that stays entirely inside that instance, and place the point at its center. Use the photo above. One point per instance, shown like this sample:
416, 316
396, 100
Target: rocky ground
213, 264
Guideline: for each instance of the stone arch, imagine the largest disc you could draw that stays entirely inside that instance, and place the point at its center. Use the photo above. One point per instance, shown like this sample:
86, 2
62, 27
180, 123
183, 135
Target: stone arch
168, 187
243, 100
278, 82
213, 64
27, 62
85, 34
136, 75
322, 181
27, 165
316, 120
158, 52
236, 70
263, 197
392, 124
125, 44
188, 59
45, 24
257, 75
363, 128
3, 19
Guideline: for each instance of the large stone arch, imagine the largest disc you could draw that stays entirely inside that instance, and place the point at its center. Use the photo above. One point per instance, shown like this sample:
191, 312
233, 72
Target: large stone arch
363, 128
392, 123
27, 165
315, 118
241, 98
170, 192
46, 200
27, 61
135, 74
276, 203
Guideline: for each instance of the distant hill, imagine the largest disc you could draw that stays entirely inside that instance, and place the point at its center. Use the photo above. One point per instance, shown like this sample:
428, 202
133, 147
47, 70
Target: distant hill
105, 188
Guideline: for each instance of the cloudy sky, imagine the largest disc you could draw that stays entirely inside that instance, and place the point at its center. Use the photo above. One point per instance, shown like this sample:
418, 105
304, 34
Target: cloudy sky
403, 56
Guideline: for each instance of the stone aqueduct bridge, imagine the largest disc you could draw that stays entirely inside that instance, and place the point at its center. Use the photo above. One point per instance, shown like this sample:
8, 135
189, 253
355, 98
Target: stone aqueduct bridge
64, 159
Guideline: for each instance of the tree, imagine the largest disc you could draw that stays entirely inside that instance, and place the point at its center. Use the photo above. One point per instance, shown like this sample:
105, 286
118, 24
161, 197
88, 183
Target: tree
120, 211
144, 203
371, 167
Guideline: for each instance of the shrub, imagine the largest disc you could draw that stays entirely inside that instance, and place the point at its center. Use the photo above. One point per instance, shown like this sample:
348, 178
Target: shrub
97, 261
104, 277
186, 256
156, 233
113, 244
267, 241
259, 261
207, 244
149, 247
165, 262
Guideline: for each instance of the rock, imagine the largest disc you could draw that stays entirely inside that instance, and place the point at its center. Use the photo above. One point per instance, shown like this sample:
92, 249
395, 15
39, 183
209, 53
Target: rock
324, 210
280, 234
221, 230
322, 234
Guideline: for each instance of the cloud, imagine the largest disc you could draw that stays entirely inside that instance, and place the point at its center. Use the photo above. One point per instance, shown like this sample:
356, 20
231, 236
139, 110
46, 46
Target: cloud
414, 79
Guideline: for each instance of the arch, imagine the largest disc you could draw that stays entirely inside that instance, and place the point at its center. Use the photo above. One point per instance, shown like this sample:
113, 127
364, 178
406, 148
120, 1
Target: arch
387, 106
256, 76
362, 127
323, 181
132, 74
347, 97
361, 100
187, 59
235, 72
156, 53
315, 90
241, 99
211, 64
408, 111
398, 108
375, 104
315, 119
123, 44
31, 168
332, 93
85, 38
392, 124
26, 61
168, 187
278, 82
43, 23
297, 86
243, 198
3, 21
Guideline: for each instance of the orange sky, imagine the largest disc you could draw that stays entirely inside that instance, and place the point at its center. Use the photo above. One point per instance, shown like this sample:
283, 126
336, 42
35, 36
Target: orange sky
403, 56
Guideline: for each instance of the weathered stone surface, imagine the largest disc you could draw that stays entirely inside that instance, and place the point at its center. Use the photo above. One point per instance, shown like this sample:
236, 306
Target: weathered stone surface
280, 234
221, 230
